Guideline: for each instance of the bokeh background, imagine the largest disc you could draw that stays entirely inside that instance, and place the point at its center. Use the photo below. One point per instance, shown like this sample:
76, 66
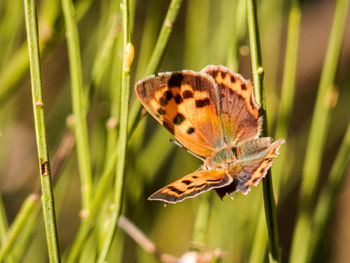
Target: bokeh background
205, 32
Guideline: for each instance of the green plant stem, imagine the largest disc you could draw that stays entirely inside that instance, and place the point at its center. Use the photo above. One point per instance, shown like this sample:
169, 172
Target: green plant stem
123, 132
288, 88
329, 195
239, 33
157, 54
317, 137
258, 76
81, 131
87, 224
201, 223
40, 131
17, 225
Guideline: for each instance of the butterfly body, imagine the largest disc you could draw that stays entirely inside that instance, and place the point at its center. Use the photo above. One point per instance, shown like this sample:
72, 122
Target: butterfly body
213, 114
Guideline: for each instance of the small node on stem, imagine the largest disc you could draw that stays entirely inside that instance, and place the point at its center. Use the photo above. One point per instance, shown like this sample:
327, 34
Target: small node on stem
129, 56
260, 70
39, 104
34, 197
70, 121
84, 213
168, 24
111, 123
331, 97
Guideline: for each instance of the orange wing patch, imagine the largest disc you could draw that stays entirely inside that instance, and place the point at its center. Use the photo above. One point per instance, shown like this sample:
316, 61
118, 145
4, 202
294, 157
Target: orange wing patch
185, 103
192, 185
238, 111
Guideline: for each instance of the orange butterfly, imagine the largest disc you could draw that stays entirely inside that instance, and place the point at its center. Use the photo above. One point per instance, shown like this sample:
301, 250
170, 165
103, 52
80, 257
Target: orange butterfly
213, 114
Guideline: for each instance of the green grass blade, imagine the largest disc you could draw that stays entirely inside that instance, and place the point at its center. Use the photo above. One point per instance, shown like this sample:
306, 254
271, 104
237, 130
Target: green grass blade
287, 98
17, 225
40, 131
258, 76
317, 138
329, 195
80, 129
123, 131
158, 53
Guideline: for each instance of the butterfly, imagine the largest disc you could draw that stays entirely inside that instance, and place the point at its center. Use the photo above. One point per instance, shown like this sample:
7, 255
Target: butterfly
213, 114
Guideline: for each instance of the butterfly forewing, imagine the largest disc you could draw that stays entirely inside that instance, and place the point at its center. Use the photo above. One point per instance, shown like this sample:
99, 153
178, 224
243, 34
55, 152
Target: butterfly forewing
192, 185
238, 111
186, 103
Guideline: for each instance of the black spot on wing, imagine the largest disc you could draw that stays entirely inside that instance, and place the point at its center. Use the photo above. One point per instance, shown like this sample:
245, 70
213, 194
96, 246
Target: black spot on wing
161, 111
178, 99
186, 182
187, 94
190, 130
202, 103
175, 190
243, 86
175, 80
168, 95
179, 118
233, 79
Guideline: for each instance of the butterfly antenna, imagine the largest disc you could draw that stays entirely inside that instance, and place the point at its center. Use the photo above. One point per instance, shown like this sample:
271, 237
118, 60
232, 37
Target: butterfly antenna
181, 146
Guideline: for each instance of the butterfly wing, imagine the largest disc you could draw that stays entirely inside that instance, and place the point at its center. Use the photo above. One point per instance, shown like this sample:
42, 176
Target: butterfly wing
192, 185
238, 111
254, 159
186, 103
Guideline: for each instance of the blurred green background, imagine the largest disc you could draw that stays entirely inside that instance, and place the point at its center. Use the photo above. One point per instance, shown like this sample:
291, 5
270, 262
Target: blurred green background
205, 32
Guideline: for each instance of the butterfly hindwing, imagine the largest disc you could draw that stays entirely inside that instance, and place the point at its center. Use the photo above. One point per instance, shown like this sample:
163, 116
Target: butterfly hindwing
254, 160
192, 185
238, 111
186, 103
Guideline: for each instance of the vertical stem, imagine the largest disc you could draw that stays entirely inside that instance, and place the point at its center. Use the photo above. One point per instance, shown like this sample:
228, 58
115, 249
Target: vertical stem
317, 137
200, 230
158, 52
288, 87
123, 131
40, 131
81, 131
258, 76
329, 195
107, 174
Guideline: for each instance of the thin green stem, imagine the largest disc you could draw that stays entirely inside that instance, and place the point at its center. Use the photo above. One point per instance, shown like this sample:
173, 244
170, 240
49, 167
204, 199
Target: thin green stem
288, 88
158, 53
239, 33
329, 195
17, 225
40, 131
123, 132
258, 76
81, 131
317, 137
105, 180
201, 223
